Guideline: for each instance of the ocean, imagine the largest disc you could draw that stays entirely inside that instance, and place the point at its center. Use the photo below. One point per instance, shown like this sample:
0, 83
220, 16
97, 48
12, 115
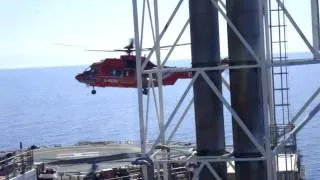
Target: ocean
47, 107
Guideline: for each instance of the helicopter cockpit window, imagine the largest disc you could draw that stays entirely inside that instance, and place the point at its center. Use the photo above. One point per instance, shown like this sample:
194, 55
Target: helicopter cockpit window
115, 72
91, 70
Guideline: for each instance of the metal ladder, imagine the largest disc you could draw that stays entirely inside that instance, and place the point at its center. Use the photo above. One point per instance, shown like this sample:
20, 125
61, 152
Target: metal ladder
280, 74
282, 124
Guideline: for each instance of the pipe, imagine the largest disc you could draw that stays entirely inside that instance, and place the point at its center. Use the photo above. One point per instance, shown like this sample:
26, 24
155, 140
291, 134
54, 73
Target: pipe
246, 85
205, 51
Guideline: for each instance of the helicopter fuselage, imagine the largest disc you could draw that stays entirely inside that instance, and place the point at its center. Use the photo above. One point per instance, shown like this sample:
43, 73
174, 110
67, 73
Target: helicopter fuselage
114, 72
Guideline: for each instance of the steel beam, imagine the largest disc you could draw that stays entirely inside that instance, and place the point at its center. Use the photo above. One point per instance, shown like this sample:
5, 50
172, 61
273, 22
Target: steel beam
315, 23
306, 105
267, 87
160, 88
139, 79
147, 111
196, 159
176, 41
292, 133
142, 22
146, 173
296, 62
180, 120
299, 31
291, 62
175, 111
163, 32
235, 30
233, 113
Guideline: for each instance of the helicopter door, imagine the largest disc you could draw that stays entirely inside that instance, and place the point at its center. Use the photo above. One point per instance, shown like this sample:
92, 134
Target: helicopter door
129, 73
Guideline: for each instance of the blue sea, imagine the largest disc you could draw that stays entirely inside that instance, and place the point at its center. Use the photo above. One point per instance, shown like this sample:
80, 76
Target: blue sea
47, 106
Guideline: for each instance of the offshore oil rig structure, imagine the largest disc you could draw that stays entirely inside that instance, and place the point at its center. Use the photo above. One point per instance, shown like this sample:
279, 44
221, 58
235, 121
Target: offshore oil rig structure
249, 89
263, 131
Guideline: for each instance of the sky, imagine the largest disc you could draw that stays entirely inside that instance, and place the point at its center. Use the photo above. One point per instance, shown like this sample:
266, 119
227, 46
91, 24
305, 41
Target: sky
29, 30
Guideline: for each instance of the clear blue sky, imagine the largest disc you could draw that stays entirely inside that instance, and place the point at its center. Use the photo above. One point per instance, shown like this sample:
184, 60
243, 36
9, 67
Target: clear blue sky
29, 28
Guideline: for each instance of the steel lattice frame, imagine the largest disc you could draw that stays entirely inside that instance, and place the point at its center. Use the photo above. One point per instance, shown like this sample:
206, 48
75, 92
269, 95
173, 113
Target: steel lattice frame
264, 64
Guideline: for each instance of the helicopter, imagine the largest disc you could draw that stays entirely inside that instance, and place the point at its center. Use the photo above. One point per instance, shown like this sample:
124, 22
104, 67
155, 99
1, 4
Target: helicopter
121, 72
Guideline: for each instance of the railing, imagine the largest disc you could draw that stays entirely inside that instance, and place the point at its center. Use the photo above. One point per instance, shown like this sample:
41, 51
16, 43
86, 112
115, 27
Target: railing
130, 174
17, 164
279, 132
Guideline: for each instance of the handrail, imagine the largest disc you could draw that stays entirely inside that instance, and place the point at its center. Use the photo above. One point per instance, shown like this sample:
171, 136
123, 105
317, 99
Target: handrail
17, 164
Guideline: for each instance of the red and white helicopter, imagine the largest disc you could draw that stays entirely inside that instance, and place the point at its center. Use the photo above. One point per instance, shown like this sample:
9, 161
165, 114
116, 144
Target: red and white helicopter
121, 72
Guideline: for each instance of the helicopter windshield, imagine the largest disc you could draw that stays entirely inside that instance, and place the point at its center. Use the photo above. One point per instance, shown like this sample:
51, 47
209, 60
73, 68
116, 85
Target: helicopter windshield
90, 70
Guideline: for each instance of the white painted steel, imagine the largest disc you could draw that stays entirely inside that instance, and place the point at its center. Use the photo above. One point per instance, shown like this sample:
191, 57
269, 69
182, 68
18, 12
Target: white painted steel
235, 30
147, 110
160, 90
268, 92
226, 83
296, 62
266, 110
221, 67
315, 23
294, 24
306, 105
139, 80
197, 172
139, 83
265, 72
159, 74
233, 113
209, 159
295, 130
155, 103
231, 167
212, 171
142, 23
175, 110
163, 32
265, 67
282, 158
151, 26
176, 41
180, 120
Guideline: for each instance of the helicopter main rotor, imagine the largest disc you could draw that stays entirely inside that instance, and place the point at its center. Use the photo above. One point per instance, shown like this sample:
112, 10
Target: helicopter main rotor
129, 49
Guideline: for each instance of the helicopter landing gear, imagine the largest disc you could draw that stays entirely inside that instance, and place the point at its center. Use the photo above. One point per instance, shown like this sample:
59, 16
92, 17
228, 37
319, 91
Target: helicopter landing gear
93, 92
145, 91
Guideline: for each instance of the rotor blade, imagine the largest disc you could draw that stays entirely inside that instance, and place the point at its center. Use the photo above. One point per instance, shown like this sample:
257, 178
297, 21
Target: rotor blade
167, 46
86, 49
182, 44
143, 49
117, 50
104, 50
120, 50
69, 45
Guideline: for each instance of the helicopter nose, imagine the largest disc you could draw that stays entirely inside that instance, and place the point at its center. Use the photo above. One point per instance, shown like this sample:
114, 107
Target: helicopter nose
79, 77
